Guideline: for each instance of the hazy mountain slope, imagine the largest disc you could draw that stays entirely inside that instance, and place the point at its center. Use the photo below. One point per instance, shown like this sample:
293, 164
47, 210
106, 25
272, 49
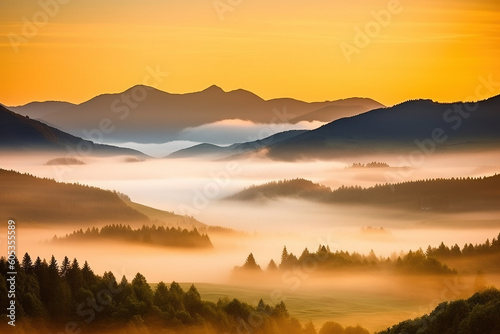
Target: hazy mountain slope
276, 138
168, 218
38, 110
438, 194
217, 152
145, 114
22, 133
203, 150
340, 109
400, 127
29, 199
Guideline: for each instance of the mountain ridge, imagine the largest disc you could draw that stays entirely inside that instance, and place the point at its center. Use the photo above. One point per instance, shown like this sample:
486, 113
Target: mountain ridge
149, 115
23, 133
441, 194
236, 149
397, 129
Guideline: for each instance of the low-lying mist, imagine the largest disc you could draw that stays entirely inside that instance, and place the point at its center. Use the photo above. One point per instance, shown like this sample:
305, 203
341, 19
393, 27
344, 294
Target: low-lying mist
199, 188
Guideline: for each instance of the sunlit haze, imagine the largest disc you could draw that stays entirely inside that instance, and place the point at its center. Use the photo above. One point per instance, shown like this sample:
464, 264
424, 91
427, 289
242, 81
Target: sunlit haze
423, 49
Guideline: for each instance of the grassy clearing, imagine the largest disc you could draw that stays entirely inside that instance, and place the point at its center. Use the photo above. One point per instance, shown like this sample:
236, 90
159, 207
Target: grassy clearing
374, 311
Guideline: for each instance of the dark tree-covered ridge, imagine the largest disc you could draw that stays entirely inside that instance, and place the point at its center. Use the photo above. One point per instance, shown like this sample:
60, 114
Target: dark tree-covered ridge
153, 235
52, 297
38, 200
453, 194
323, 259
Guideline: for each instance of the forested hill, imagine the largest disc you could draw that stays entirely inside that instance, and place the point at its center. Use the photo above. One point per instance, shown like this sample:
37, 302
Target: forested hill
31, 199
480, 314
149, 235
41, 200
53, 298
454, 194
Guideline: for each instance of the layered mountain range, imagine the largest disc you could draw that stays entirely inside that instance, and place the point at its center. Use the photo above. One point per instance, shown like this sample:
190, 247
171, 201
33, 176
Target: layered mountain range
357, 125
147, 115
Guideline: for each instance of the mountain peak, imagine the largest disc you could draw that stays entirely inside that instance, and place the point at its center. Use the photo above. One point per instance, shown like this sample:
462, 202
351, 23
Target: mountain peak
214, 89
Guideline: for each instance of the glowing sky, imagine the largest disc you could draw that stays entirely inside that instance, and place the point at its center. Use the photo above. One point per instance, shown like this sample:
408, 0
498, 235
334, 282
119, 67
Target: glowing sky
428, 49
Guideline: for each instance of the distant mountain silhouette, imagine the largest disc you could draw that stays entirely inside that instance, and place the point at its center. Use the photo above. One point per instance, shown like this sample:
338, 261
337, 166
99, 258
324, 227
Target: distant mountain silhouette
203, 150
340, 109
21, 133
38, 110
217, 152
145, 114
397, 129
457, 195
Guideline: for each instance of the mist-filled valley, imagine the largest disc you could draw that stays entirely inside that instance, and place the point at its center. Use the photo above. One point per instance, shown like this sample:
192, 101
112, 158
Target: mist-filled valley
183, 194
250, 167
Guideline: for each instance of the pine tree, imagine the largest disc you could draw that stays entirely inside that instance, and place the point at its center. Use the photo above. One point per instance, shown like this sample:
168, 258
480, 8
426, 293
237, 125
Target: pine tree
160, 298
65, 266
53, 267
284, 256
250, 263
272, 266
74, 277
309, 328
88, 275
305, 254
27, 265
280, 310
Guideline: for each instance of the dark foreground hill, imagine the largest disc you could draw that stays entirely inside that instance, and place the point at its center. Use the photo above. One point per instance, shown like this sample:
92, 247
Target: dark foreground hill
20, 133
421, 125
480, 314
52, 297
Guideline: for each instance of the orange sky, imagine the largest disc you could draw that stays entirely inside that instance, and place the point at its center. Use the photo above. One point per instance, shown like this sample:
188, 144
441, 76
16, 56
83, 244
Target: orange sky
428, 49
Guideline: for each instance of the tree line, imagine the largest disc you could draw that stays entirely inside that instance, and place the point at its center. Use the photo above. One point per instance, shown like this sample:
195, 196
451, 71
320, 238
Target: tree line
153, 235
444, 251
58, 297
373, 164
453, 194
413, 262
